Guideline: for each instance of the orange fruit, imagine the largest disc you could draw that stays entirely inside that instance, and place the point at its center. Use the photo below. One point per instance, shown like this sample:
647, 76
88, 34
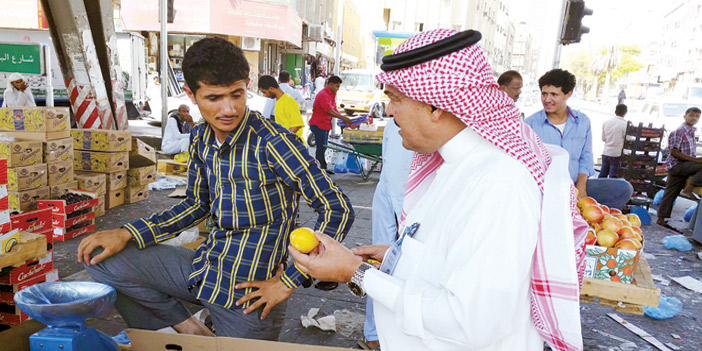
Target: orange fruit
303, 239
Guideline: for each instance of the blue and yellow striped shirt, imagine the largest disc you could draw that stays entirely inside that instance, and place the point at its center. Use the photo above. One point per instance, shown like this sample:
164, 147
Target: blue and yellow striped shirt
251, 185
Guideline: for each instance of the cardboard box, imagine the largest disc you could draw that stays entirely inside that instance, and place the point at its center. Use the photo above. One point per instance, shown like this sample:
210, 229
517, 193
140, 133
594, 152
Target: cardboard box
8, 291
10, 314
26, 177
116, 180
3, 171
62, 234
21, 153
35, 119
33, 221
101, 140
56, 191
4, 204
96, 182
39, 136
59, 207
146, 340
29, 270
142, 154
100, 208
136, 194
60, 172
8, 241
31, 247
141, 176
611, 264
5, 224
114, 198
58, 150
26, 200
100, 161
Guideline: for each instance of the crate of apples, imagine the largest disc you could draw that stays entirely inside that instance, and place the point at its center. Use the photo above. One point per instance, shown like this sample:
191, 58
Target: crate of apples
614, 241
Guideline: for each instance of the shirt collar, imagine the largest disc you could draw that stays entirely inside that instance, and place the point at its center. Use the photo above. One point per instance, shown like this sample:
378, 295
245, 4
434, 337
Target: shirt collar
460, 145
544, 115
688, 128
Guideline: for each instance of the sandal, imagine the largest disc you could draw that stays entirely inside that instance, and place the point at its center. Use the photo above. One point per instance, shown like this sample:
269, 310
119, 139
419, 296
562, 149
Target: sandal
363, 343
668, 226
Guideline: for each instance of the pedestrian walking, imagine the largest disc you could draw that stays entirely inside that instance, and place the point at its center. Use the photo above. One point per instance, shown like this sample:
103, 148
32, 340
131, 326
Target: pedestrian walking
613, 135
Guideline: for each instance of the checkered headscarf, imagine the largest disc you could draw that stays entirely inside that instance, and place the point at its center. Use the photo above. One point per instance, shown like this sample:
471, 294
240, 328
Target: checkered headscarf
462, 83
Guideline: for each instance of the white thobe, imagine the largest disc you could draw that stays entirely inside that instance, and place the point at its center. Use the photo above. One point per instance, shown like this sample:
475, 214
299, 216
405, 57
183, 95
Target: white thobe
462, 282
15, 98
174, 141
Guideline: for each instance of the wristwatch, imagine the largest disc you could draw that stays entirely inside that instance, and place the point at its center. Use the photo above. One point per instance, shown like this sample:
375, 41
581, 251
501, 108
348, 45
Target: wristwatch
356, 282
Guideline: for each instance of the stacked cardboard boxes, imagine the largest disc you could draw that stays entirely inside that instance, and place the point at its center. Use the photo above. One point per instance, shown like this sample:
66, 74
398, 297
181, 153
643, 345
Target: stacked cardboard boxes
142, 171
27, 179
58, 156
73, 217
36, 123
97, 183
4, 198
104, 151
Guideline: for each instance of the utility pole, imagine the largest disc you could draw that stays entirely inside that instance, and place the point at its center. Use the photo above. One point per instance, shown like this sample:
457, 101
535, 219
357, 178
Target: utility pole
337, 52
163, 54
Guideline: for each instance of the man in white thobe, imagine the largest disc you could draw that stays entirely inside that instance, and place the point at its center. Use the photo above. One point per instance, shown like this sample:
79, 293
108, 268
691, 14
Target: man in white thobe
17, 93
176, 136
477, 265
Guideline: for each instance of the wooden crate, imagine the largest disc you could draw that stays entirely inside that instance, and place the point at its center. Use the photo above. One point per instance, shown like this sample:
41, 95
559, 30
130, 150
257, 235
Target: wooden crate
31, 247
629, 298
172, 168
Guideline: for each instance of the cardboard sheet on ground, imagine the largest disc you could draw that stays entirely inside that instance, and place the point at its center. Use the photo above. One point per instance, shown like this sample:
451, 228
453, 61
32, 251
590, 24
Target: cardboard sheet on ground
689, 283
178, 192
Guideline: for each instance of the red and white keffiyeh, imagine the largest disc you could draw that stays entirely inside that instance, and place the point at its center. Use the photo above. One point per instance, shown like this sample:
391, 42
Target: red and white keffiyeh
462, 83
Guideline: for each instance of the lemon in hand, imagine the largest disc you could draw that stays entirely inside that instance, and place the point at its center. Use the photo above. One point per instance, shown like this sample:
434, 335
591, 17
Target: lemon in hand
303, 239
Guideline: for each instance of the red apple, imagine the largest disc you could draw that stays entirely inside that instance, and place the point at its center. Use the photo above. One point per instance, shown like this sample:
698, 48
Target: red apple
634, 219
613, 224
591, 237
586, 201
607, 238
615, 211
628, 244
593, 214
605, 208
627, 233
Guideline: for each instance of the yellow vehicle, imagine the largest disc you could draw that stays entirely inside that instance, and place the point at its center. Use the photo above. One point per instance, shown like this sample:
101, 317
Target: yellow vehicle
360, 92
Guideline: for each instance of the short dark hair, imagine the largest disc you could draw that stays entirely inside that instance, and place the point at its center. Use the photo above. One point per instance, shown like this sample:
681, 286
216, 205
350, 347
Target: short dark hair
267, 82
558, 78
334, 80
692, 110
214, 61
621, 110
284, 77
507, 77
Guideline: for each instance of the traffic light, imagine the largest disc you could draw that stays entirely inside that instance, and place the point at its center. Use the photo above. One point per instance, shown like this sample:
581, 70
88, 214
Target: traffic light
170, 11
573, 28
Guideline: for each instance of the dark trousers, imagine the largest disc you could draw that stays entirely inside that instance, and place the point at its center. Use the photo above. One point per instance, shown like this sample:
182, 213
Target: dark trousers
677, 177
610, 166
321, 137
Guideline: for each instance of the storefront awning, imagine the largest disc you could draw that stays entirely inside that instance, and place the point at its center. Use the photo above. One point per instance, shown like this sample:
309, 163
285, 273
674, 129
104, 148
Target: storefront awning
229, 17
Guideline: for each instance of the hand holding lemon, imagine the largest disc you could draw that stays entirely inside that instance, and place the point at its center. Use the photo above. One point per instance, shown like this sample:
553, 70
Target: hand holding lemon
303, 239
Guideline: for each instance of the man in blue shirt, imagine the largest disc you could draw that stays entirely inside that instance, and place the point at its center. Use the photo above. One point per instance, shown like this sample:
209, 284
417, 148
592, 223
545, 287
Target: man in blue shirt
561, 125
246, 174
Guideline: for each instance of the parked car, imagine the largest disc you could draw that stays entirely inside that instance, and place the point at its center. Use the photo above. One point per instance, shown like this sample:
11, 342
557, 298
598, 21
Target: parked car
359, 92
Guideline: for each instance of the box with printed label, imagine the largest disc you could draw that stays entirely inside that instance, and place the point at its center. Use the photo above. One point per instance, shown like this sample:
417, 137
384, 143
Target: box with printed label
26, 200
60, 172
75, 231
7, 291
58, 150
136, 194
100, 208
3, 171
142, 154
21, 153
29, 270
116, 180
89, 181
34, 119
33, 221
26, 177
64, 208
4, 198
56, 191
611, 264
101, 140
93, 161
31, 247
141, 176
10, 314
114, 198
5, 223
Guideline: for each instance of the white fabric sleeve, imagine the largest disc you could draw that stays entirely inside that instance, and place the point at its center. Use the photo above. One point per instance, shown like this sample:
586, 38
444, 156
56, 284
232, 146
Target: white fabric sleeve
172, 143
480, 293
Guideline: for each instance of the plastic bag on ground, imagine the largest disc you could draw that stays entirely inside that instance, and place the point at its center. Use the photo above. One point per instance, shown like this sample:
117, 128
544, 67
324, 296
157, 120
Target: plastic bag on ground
353, 165
690, 211
678, 242
668, 307
340, 163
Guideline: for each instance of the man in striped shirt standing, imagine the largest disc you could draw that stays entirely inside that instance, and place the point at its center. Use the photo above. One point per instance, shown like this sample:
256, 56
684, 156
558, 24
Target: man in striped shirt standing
247, 174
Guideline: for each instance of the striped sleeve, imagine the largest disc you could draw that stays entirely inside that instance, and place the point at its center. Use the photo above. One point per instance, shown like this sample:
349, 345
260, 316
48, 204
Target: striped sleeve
165, 225
298, 170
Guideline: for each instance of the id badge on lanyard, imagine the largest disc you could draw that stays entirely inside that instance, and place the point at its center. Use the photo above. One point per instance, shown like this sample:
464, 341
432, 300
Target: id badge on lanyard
392, 256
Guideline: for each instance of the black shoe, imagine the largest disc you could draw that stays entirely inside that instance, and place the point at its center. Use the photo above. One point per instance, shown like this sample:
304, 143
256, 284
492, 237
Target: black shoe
330, 172
326, 286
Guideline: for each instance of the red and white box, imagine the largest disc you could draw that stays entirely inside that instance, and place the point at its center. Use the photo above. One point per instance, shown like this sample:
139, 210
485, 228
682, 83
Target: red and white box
67, 225
28, 270
9, 314
33, 221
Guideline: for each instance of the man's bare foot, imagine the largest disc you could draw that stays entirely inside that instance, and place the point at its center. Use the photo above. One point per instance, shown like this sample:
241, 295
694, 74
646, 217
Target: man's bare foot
373, 344
193, 326
690, 195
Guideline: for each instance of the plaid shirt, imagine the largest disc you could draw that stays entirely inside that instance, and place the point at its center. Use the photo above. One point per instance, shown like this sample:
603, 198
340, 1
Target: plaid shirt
682, 139
251, 184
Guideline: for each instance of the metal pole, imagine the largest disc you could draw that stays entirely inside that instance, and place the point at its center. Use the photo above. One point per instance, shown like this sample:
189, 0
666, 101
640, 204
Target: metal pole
337, 52
163, 53
47, 70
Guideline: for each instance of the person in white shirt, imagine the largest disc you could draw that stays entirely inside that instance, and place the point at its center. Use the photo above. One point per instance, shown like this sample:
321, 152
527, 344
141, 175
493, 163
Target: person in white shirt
288, 87
17, 93
477, 265
613, 134
176, 136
